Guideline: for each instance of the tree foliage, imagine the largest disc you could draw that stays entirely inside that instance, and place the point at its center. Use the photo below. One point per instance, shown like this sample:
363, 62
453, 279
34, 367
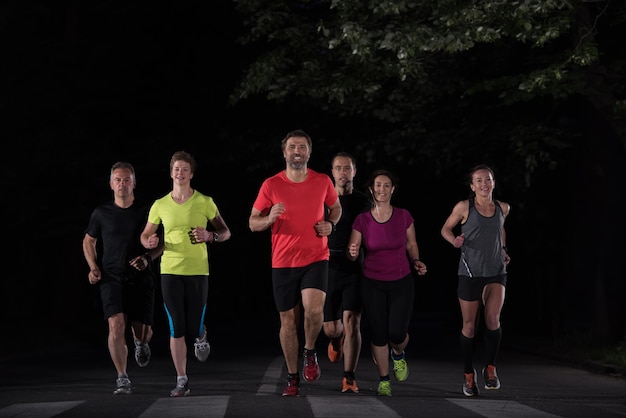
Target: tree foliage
450, 79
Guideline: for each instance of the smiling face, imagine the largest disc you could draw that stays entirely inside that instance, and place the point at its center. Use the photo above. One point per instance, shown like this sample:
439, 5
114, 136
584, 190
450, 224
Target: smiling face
482, 182
181, 172
382, 188
296, 152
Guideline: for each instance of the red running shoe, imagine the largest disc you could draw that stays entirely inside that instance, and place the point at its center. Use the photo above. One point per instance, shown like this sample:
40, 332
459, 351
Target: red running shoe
292, 388
311, 371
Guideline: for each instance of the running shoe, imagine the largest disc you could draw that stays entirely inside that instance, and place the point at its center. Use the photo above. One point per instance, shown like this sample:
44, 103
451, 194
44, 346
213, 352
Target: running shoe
470, 388
491, 377
348, 384
292, 387
181, 389
202, 347
142, 353
123, 386
311, 371
335, 349
384, 388
400, 368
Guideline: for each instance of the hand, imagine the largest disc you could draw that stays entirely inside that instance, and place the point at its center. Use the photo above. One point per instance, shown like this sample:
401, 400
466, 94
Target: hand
353, 250
323, 228
276, 212
94, 276
153, 241
458, 241
140, 263
198, 234
507, 259
420, 267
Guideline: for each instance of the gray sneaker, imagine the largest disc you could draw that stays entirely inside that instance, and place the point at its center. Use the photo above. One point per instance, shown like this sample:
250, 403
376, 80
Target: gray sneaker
181, 389
123, 386
202, 348
142, 353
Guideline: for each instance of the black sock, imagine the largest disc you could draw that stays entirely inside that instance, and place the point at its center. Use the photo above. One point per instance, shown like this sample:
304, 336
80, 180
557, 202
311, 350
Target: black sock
492, 344
348, 375
383, 378
467, 352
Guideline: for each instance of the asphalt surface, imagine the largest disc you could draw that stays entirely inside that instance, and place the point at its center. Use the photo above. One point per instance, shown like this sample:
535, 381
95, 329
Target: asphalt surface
244, 377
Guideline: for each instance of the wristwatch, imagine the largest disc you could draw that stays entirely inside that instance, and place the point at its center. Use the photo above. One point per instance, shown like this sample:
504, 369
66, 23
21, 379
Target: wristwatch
215, 236
333, 224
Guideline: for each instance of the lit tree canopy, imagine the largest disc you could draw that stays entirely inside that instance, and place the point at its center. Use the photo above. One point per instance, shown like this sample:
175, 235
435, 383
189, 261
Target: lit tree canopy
442, 77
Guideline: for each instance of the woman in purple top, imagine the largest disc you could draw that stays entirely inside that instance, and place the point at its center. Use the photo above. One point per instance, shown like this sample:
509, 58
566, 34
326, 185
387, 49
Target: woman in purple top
387, 235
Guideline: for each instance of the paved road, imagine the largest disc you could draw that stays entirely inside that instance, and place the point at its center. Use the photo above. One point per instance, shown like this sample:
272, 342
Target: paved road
244, 378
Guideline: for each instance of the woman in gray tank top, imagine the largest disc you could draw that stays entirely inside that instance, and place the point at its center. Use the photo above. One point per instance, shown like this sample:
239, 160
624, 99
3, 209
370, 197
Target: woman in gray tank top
482, 271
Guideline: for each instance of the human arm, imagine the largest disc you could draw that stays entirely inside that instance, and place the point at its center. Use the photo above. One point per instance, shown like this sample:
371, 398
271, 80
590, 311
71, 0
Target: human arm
260, 222
354, 245
459, 213
325, 228
149, 237
142, 262
91, 256
222, 231
413, 251
506, 208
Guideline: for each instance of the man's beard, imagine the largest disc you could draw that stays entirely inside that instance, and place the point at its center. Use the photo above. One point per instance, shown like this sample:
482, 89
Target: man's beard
297, 165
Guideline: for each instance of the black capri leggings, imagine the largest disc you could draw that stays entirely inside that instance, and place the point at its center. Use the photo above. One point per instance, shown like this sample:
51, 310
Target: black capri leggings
387, 307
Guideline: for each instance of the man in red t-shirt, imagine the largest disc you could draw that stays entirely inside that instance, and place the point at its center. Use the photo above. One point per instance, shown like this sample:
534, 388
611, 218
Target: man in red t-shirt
293, 203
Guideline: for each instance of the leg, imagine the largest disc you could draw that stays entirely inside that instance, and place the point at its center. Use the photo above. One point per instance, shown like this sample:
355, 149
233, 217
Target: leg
493, 299
333, 329
381, 359
469, 312
142, 332
289, 338
178, 349
352, 341
117, 342
313, 304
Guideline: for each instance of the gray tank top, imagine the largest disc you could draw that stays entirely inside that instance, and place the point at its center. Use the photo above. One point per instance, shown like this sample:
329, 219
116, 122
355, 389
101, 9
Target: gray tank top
481, 253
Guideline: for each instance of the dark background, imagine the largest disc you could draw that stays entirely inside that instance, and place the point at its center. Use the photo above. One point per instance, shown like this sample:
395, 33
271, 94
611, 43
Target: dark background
88, 84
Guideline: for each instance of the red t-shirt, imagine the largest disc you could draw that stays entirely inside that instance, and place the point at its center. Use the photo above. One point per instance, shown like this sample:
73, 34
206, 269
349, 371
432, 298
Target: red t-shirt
294, 241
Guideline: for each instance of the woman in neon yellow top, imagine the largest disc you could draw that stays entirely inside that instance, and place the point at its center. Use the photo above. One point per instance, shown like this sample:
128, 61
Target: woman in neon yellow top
185, 214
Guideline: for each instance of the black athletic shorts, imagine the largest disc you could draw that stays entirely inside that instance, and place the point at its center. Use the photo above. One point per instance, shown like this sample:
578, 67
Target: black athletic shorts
288, 283
471, 288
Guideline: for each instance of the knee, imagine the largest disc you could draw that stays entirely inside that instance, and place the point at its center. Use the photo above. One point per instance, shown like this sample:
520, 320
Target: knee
492, 322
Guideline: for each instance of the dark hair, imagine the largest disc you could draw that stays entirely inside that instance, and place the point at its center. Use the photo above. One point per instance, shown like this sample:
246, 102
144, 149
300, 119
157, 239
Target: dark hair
343, 154
297, 132
123, 164
479, 167
183, 156
370, 181
473, 171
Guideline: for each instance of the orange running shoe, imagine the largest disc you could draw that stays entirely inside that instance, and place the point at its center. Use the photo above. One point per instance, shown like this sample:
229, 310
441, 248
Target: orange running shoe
335, 349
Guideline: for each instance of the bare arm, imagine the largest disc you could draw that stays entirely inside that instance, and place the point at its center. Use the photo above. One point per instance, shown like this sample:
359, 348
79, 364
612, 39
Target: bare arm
459, 214
149, 237
506, 209
91, 256
221, 228
260, 222
325, 228
413, 250
354, 245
